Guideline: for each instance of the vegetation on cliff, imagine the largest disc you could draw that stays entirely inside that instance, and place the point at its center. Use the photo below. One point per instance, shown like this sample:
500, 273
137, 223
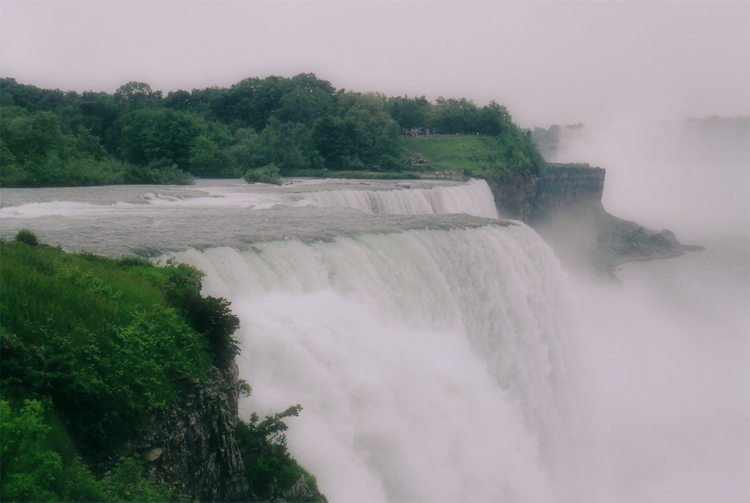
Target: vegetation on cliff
272, 473
298, 124
91, 347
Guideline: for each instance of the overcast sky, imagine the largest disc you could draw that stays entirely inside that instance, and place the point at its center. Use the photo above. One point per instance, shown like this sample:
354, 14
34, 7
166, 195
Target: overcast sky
557, 62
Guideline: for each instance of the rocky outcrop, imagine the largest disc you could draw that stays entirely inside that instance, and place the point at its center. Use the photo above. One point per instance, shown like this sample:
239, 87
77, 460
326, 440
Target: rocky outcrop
515, 196
190, 444
563, 204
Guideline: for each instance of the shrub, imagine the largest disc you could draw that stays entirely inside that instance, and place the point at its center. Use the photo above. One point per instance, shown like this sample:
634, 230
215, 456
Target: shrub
99, 338
27, 236
267, 174
270, 470
34, 470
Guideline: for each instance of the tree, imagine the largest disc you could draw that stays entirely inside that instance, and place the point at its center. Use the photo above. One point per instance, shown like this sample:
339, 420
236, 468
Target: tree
148, 135
328, 138
286, 146
179, 100
453, 116
493, 119
137, 95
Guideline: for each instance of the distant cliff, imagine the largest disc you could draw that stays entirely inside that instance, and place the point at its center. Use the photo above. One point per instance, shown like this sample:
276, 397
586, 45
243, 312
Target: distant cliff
564, 205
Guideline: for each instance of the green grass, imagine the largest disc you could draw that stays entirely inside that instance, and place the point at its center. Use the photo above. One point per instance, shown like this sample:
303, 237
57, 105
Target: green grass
450, 154
510, 153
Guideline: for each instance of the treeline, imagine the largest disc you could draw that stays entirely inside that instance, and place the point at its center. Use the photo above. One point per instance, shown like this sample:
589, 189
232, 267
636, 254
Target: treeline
138, 135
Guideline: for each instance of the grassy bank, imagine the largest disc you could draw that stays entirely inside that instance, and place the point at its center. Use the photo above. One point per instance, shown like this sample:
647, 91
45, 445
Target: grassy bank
478, 156
365, 175
449, 154
90, 346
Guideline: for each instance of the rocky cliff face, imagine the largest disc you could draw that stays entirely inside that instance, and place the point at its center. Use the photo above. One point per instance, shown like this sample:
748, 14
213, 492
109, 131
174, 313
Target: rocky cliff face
190, 444
563, 204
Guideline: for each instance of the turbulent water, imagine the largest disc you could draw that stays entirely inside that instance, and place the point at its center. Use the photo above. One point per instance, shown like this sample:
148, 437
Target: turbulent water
441, 354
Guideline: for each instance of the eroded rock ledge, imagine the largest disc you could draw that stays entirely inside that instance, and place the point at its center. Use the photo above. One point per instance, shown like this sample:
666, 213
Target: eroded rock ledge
564, 205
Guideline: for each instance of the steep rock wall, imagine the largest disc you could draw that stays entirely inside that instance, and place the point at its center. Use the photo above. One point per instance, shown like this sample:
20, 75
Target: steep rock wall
190, 444
558, 188
564, 205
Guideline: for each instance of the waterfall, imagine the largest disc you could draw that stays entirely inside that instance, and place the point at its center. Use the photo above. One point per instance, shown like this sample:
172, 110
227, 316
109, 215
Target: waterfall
427, 342
473, 198
431, 365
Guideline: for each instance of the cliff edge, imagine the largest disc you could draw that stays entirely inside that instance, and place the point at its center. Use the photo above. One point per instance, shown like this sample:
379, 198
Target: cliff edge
564, 205
190, 444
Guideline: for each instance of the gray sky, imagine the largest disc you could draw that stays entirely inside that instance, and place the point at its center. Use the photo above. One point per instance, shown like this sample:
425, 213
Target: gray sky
548, 62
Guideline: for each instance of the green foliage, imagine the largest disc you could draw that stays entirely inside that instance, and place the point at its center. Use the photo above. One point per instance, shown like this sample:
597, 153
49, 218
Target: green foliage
128, 482
54, 138
106, 340
90, 346
270, 470
35, 469
149, 135
481, 156
209, 316
267, 174
27, 236
285, 145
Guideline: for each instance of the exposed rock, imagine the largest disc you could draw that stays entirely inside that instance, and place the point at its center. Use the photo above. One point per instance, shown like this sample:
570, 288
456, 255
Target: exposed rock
515, 196
563, 204
190, 444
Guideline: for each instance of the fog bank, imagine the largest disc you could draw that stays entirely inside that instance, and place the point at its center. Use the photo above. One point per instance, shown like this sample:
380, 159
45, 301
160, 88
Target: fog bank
690, 176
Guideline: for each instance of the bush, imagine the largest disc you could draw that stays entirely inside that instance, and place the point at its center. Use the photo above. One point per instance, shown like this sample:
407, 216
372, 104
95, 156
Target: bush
99, 337
267, 174
27, 236
270, 470
172, 175
390, 163
34, 470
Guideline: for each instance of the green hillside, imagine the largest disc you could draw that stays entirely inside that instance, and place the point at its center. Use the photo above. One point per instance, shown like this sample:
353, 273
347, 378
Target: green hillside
450, 154
489, 156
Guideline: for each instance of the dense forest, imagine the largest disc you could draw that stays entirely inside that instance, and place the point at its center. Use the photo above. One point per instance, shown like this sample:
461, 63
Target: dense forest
297, 125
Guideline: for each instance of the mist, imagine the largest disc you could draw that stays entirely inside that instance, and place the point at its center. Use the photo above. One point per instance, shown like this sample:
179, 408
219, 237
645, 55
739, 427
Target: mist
664, 351
690, 176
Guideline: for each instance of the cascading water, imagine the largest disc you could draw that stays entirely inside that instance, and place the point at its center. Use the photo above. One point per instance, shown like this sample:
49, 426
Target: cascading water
473, 198
433, 353
426, 340
430, 364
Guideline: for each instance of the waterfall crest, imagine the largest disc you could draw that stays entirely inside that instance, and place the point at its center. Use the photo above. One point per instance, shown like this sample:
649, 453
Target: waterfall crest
473, 198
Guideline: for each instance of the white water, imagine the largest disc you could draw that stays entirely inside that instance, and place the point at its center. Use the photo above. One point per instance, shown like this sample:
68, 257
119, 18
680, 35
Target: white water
431, 365
474, 198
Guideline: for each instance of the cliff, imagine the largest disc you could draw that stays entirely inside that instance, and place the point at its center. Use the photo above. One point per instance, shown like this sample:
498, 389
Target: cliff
563, 204
190, 445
